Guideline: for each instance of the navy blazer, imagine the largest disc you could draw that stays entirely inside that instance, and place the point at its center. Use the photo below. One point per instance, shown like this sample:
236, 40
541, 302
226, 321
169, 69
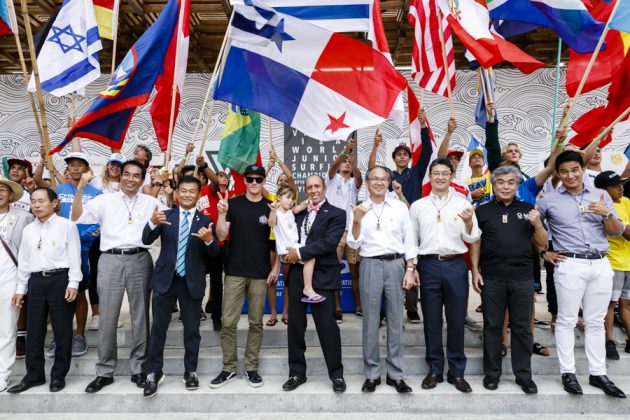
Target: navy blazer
196, 253
321, 244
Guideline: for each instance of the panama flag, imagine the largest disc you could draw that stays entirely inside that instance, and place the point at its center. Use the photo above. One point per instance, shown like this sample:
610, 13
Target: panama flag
5, 18
322, 83
68, 60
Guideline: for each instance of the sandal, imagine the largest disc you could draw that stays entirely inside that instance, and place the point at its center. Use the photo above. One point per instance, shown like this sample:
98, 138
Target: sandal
285, 320
313, 299
272, 322
541, 350
503, 350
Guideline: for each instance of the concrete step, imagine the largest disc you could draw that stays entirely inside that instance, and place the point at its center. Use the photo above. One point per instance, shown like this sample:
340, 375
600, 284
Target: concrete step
274, 361
276, 336
317, 396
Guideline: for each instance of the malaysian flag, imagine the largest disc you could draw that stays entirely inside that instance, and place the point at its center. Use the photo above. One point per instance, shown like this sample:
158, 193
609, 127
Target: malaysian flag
427, 64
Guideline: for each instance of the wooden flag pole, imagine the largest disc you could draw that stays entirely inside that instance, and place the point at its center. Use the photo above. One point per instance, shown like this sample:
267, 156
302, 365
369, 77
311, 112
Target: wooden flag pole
171, 121
114, 39
556, 89
448, 76
24, 70
40, 97
564, 122
485, 73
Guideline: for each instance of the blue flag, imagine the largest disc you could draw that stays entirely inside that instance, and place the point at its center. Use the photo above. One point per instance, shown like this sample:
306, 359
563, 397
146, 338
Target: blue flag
621, 20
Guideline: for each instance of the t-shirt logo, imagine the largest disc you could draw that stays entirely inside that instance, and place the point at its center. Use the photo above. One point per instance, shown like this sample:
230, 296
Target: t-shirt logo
522, 216
263, 220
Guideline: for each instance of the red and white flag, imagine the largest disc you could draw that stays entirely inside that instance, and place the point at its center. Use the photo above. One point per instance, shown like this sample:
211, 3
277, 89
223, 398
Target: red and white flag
427, 64
174, 69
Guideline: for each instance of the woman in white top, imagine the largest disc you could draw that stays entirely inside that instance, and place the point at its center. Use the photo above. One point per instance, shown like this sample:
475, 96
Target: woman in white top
109, 182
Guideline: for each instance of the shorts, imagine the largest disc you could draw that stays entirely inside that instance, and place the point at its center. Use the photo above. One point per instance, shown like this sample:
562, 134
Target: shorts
352, 255
621, 286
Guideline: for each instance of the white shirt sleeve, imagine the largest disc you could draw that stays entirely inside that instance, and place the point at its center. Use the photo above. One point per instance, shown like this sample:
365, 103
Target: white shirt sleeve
74, 258
409, 235
24, 256
91, 211
351, 241
475, 233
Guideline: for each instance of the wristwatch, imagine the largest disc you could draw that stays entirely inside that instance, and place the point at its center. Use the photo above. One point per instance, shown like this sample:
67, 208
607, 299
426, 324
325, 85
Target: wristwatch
411, 269
609, 215
204, 166
157, 184
542, 253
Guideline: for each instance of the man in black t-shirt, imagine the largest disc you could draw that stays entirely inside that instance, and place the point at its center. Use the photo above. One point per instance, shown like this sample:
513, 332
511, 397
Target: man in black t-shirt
248, 273
504, 256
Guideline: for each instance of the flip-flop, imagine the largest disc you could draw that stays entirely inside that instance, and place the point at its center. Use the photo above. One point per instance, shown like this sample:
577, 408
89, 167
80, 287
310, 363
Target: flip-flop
271, 322
285, 321
313, 299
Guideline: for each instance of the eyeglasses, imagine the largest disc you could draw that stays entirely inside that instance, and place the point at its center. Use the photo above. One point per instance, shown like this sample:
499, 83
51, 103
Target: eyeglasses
379, 180
441, 174
254, 179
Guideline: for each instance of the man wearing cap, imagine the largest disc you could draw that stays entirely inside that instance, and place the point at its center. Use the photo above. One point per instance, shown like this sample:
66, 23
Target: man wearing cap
12, 223
410, 180
579, 217
20, 170
248, 273
619, 256
124, 266
78, 165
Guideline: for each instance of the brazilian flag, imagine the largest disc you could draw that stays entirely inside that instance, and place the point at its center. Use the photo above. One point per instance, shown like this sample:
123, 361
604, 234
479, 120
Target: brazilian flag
240, 142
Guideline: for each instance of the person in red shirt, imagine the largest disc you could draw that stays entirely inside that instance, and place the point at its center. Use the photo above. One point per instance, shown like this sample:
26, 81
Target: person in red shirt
207, 204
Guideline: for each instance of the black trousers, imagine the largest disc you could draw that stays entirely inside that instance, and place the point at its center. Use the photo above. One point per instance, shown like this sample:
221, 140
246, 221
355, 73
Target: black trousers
325, 323
216, 267
47, 295
189, 309
552, 298
443, 286
95, 254
517, 296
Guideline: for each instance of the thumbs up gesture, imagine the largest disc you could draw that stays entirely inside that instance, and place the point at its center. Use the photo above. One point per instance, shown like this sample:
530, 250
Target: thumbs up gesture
599, 207
223, 205
534, 216
158, 217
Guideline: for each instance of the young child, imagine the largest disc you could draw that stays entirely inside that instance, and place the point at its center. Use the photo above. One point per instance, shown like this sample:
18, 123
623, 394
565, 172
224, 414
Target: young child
282, 220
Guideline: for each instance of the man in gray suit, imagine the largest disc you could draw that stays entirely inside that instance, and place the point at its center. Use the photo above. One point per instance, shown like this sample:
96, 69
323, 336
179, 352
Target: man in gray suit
12, 223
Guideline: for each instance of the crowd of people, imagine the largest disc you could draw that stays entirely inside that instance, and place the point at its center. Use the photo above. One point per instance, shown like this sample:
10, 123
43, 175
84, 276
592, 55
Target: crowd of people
409, 248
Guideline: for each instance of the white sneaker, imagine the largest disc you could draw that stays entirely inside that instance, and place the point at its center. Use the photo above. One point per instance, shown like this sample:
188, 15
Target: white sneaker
94, 323
4, 383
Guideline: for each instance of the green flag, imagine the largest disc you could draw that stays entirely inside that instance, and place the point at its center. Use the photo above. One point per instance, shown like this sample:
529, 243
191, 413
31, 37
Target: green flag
240, 140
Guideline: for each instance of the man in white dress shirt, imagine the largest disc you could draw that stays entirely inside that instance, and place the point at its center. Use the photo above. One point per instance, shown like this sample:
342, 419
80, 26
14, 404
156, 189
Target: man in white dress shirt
442, 222
124, 265
381, 227
49, 270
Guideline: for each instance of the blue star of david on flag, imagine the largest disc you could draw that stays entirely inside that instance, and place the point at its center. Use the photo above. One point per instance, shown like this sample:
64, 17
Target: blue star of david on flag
58, 34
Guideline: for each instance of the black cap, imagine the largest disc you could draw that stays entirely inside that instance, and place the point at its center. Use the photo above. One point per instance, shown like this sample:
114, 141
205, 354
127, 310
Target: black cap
254, 169
608, 179
401, 146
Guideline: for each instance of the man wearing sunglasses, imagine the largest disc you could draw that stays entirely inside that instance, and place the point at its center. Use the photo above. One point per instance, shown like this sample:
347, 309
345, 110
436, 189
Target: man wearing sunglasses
245, 218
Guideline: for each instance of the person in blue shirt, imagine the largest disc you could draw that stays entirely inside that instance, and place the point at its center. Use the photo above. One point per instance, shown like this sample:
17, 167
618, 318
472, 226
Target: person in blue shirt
78, 164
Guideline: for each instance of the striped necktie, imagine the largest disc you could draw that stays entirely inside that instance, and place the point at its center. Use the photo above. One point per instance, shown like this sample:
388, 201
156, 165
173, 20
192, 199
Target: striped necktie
184, 231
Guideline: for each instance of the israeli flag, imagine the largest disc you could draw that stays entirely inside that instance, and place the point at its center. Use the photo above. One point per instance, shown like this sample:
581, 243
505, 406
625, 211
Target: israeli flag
68, 60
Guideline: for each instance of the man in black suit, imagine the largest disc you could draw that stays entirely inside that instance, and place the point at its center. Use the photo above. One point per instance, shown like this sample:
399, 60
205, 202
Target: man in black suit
320, 229
179, 274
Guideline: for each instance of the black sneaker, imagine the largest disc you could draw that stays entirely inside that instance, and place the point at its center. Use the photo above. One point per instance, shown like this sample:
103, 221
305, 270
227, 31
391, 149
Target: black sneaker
139, 379
254, 379
152, 384
339, 385
413, 317
611, 350
222, 378
203, 316
191, 381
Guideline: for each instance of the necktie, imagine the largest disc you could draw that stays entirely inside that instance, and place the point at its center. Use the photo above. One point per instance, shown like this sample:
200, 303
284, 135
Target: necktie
184, 230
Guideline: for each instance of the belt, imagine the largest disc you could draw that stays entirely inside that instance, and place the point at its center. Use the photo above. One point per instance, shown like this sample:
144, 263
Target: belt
386, 257
49, 273
128, 251
442, 257
584, 256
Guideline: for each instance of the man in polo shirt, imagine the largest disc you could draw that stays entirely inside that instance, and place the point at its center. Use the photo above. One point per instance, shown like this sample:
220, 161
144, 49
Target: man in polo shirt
502, 272
410, 180
619, 257
579, 216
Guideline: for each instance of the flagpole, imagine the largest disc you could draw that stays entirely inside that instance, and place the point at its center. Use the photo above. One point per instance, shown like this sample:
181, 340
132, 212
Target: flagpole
23, 65
448, 76
564, 121
205, 101
485, 73
171, 121
114, 39
556, 91
40, 98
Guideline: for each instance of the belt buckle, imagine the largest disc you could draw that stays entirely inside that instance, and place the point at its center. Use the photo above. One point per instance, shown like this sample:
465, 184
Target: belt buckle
45, 274
440, 257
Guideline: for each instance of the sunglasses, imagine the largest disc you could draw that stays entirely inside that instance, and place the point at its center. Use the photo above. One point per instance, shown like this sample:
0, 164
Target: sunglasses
254, 179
